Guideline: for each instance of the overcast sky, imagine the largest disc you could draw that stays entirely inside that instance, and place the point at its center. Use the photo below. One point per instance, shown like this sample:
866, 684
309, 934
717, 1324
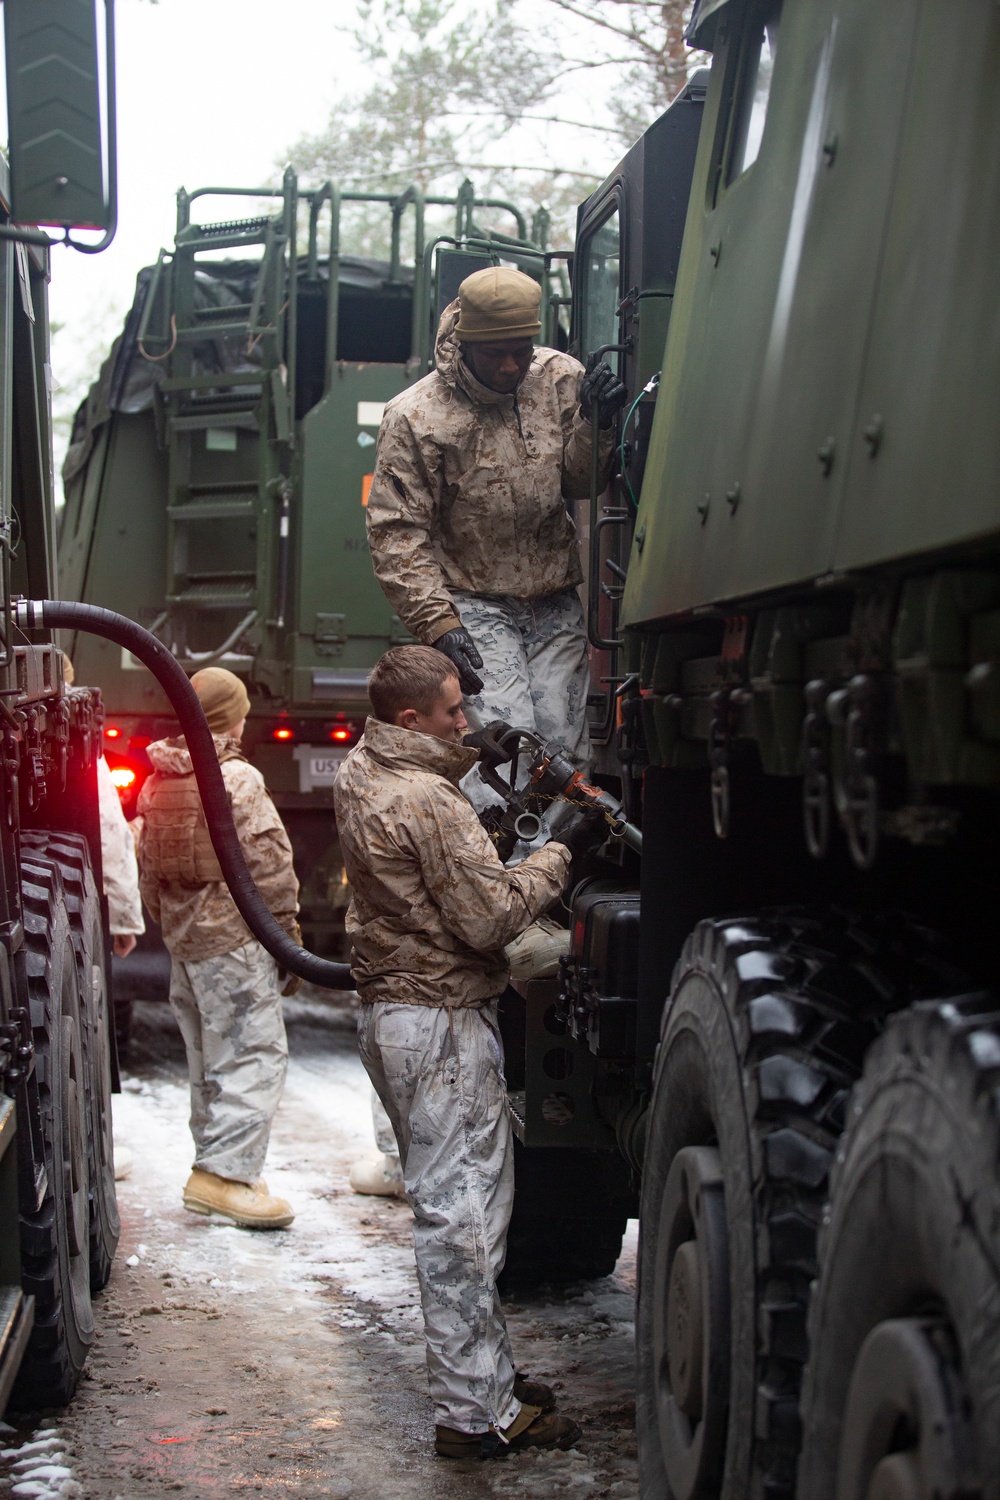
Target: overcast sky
216, 91
208, 90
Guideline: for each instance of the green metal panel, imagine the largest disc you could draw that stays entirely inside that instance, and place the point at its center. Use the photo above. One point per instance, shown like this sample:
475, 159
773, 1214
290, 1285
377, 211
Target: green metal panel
53, 105
769, 328
102, 525
933, 372
333, 567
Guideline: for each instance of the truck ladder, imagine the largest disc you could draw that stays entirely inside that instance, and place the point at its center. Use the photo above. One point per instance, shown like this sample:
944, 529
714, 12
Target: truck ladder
229, 432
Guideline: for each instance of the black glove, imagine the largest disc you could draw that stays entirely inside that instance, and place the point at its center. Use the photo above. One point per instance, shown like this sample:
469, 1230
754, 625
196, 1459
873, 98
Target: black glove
602, 385
486, 741
459, 647
587, 831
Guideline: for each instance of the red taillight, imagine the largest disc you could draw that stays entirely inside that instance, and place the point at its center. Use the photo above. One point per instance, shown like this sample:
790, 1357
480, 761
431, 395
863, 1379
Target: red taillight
139, 742
123, 777
282, 734
112, 732
341, 736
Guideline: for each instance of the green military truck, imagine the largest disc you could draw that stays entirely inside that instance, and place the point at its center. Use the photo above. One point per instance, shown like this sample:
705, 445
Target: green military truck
58, 1217
787, 1017
781, 1021
218, 475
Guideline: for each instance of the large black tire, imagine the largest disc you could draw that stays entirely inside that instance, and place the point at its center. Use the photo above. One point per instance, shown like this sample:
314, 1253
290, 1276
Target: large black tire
570, 1211
763, 1035
55, 1239
905, 1321
69, 852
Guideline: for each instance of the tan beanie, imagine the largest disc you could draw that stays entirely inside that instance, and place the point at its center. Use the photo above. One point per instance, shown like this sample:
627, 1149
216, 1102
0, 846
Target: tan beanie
498, 303
223, 698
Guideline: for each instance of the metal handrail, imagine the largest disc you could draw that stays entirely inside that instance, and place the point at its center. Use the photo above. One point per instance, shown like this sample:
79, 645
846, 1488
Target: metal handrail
414, 195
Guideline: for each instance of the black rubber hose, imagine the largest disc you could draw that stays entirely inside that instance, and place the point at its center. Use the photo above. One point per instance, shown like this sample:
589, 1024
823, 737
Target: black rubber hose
53, 614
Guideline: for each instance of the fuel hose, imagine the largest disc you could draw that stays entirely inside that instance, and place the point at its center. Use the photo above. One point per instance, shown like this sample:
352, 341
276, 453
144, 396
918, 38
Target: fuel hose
54, 614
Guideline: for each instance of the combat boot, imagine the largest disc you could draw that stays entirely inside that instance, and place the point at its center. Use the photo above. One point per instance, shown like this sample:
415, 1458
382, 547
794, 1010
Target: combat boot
533, 1392
535, 954
249, 1207
531, 1428
379, 1177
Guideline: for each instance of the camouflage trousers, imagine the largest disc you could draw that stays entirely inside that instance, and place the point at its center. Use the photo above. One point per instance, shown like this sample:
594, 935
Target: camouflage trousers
229, 1011
535, 671
385, 1136
440, 1078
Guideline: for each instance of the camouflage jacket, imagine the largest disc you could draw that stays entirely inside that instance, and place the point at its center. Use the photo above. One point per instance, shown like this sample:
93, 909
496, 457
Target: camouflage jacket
471, 487
179, 875
432, 904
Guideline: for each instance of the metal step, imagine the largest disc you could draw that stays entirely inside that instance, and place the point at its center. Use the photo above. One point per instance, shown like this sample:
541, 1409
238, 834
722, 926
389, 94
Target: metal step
217, 508
239, 417
239, 592
225, 378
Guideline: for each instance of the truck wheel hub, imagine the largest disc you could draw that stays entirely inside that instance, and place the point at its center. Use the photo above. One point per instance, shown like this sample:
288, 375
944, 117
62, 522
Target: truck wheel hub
905, 1435
685, 1329
691, 1341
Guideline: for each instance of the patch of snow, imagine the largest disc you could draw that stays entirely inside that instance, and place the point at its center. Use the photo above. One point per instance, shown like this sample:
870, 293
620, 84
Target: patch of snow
41, 1468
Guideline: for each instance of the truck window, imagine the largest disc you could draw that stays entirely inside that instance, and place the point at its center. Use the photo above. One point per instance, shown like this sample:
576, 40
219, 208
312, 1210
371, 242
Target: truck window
754, 89
602, 286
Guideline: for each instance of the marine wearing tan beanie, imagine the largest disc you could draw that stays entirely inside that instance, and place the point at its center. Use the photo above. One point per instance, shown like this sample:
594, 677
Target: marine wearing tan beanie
223, 698
498, 303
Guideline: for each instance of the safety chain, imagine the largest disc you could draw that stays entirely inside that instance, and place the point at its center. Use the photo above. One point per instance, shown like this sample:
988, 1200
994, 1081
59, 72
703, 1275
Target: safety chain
726, 704
32, 757
859, 803
11, 772
16, 1048
816, 763
60, 736
88, 719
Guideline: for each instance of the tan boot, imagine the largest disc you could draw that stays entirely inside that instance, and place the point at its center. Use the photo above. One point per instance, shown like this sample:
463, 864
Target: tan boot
249, 1207
533, 1392
379, 1177
535, 954
531, 1428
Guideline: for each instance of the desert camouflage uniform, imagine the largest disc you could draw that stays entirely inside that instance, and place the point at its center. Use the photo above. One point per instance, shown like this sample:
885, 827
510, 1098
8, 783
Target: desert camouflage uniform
223, 984
432, 910
469, 524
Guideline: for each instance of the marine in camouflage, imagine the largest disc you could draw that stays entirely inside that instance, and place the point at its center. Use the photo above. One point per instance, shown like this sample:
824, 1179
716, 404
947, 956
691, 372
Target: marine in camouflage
180, 878
471, 486
432, 905
433, 908
439, 1074
229, 1012
223, 984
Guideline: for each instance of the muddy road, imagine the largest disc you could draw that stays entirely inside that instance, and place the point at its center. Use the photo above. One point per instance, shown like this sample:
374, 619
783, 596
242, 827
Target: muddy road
228, 1362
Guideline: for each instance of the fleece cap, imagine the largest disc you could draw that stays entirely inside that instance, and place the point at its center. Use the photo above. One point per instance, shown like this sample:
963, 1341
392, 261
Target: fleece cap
223, 698
498, 303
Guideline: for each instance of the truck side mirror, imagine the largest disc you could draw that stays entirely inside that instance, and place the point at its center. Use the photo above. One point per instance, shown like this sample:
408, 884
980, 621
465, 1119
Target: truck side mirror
62, 172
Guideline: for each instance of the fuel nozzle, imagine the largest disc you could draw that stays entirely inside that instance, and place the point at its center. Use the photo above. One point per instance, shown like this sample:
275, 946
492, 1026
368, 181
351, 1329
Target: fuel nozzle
553, 774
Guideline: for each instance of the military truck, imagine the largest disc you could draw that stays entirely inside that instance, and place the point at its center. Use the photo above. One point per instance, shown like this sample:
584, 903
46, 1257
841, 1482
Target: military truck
219, 470
786, 1016
58, 1217
782, 1017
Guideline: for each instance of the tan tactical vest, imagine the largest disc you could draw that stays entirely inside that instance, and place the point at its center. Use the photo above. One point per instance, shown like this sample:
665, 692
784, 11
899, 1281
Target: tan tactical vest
176, 846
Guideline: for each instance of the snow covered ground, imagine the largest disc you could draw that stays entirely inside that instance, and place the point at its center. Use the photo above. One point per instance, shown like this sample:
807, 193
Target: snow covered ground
293, 1361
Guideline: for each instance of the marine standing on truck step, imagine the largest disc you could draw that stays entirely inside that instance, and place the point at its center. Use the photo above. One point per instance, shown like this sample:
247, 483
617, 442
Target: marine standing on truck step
468, 518
224, 987
432, 909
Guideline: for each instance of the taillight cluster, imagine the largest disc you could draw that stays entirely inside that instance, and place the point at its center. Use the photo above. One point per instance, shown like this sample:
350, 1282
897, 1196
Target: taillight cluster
341, 731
